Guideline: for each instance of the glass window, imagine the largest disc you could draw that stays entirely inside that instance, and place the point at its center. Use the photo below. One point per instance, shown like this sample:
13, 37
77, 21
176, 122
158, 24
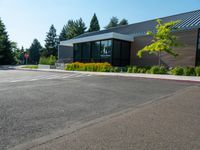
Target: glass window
77, 52
106, 51
96, 52
116, 53
85, 52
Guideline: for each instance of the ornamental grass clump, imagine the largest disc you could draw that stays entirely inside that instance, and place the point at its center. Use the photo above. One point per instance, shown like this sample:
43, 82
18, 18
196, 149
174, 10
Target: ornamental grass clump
96, 67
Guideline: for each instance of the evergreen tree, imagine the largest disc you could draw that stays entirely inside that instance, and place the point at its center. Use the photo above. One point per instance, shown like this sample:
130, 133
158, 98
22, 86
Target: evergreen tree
34, 52
6, 55
75, 28
21, 57
79, 27
123, 22
113, 23
64, 34
72, 29
51, 42
94, 24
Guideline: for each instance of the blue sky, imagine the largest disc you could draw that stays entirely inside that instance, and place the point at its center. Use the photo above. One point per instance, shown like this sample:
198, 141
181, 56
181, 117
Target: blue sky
29, 19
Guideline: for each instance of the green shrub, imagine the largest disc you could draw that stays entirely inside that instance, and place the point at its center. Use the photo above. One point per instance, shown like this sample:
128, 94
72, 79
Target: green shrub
31, 66
116, 69
129, 70
47, 60
141, 70
189, 71
158, 70
177, 71
134, 70
197, 71
155, 70
163, 70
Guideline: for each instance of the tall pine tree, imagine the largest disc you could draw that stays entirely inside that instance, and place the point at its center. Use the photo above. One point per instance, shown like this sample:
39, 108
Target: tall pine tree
72, 29
51, 43
79, 27
34, 52
64, 34
94, 24
6, 55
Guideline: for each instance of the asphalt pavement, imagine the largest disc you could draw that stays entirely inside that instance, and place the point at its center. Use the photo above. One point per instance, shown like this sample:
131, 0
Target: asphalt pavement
36, 104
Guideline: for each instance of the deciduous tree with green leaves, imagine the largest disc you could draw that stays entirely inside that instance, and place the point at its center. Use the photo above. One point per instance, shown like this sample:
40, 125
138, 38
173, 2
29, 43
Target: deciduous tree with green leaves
163, 40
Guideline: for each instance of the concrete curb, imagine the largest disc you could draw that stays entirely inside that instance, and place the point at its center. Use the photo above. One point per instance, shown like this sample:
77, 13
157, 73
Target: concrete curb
136, 75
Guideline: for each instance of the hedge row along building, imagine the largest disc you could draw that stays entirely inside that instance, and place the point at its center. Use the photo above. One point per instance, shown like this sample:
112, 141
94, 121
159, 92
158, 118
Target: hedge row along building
119, 45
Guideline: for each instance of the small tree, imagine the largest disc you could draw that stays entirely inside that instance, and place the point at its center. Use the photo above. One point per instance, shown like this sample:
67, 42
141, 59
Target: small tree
163, 40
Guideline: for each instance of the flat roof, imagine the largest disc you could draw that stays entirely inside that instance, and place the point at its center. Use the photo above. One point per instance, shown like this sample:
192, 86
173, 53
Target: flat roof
111, 35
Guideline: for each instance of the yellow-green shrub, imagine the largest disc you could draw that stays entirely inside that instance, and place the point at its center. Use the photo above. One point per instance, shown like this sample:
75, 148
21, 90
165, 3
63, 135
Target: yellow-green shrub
98, 67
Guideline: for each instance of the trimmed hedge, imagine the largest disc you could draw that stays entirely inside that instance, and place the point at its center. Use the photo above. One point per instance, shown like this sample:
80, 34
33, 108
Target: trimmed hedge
106, 67
47, 60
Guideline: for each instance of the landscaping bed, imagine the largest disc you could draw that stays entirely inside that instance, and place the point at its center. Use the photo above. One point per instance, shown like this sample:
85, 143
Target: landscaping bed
106, 67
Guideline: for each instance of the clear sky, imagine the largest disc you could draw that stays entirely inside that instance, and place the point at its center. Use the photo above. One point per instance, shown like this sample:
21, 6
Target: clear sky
29, 19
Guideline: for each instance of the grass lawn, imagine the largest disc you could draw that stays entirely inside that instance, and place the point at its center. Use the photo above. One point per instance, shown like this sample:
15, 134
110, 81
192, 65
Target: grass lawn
31, 66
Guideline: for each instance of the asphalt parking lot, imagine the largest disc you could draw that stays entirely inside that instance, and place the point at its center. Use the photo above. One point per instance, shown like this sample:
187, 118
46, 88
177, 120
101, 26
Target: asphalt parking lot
36, 104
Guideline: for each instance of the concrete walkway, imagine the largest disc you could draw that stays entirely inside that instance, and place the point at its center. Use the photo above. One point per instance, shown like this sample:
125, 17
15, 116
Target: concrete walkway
138, 75
169, 124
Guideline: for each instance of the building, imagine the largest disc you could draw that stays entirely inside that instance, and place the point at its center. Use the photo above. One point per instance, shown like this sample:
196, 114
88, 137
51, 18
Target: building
119, 45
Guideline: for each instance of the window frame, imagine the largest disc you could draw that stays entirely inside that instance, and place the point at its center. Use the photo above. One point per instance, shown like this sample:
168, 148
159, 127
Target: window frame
197, 62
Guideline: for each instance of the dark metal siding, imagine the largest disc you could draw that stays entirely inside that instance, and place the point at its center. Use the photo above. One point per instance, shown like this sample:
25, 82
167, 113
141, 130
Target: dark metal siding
187, 52
65, 52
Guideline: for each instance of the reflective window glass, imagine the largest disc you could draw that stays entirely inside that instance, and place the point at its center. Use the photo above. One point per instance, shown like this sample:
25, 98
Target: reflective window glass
106, 51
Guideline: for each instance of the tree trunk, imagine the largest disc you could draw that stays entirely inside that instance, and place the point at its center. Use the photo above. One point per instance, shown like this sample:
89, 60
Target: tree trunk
159, 59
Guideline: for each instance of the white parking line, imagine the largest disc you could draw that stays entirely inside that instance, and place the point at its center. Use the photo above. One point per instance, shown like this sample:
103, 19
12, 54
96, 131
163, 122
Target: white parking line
48, 77
81, 75
53, 77
68, 76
